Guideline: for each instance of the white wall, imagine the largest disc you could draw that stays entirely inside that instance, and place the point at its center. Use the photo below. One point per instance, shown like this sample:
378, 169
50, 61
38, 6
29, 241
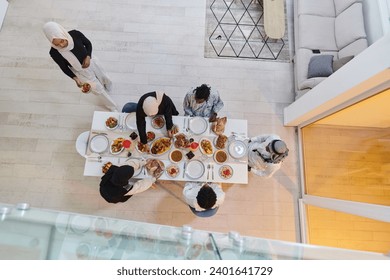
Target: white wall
3, 10
373, 20
352, 80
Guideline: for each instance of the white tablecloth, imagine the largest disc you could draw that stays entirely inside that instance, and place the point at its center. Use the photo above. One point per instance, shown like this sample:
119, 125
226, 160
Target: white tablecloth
93, 167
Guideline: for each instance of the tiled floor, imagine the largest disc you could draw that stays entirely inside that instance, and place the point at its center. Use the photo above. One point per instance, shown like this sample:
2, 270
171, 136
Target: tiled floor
144, 45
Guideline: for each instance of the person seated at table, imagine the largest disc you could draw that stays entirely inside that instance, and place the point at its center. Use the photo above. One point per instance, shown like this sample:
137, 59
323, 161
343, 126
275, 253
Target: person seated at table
202, 101
152, 104
203, 196
266, 154
117, 184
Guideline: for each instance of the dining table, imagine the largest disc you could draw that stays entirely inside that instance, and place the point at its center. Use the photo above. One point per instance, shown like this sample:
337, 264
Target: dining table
201, 167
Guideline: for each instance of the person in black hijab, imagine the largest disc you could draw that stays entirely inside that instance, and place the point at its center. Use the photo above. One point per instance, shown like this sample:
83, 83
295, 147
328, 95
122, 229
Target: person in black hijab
116, 186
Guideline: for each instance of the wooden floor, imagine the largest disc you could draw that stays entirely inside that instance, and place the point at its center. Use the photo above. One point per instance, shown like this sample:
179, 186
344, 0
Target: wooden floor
145, 46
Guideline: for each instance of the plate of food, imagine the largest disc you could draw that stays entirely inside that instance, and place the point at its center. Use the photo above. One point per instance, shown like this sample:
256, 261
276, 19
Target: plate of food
218, 127
237, 149
86, 88
176, 156
131, 121
226, 172
158, 122
99, 143
150, 136
206, 147
220, 156
134, 162
154, 167
117, 146
195, 169
220, 141
198, 125
142, 148
111, 123
173, 170
160, 146
181, 141
106, 166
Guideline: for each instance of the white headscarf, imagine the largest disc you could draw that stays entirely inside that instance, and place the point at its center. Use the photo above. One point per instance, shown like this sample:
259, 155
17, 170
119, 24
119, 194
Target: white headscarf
151, 104
53, 30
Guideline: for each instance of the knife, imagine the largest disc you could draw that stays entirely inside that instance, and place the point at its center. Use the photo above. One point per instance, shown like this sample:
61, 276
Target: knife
184, 169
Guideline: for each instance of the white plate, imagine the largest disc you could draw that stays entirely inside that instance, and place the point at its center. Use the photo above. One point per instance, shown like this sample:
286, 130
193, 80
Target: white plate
136, 171
116, 153
172, 166
201, 148
99, 143
237, 149
131, 121
112, 128
195, 169
198, 125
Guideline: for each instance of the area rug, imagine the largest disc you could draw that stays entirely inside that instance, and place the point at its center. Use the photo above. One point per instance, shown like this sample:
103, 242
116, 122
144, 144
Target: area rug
235, 29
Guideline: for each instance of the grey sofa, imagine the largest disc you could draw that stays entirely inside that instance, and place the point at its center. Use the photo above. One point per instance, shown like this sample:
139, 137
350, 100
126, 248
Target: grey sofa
325, 27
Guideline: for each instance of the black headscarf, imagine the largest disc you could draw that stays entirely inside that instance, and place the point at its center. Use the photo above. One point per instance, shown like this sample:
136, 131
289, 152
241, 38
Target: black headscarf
112, 183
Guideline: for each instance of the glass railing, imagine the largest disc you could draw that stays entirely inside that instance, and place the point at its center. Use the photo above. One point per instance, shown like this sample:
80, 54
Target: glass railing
32, 233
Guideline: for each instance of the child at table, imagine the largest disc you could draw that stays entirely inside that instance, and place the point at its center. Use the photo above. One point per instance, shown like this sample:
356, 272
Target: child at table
117, 186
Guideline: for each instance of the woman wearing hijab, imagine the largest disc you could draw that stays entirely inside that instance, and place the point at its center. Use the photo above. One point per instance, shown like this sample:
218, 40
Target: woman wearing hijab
151, 104
72, 51
117, 186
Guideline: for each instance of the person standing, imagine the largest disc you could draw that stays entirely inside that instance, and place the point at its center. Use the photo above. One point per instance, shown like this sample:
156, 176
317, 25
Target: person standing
152, 104
266, 154
203, 196
117, 184
202, 101
72, 51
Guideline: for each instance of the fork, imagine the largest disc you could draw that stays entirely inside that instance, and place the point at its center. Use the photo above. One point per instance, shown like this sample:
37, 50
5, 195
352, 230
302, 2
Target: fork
208, 171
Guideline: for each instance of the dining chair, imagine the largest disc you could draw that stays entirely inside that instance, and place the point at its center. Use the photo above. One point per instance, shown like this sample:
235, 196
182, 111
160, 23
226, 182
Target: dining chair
206, 213
82, 142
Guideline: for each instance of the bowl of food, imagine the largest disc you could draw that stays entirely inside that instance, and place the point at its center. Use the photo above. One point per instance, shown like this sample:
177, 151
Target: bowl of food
172, 170
220, 141
206, 147
158, 122
226, 172
176, 156
150, 136
85, 88
142, 148
106, 166
220, 156
160, 146
117, 146
181, 141
111, 123
154, 167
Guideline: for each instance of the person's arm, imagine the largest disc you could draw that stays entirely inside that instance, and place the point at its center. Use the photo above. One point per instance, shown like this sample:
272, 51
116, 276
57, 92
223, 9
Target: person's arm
218, 103
168, 108
141, 124
190, 193
87, 45
62, 63
187, 104
220, 194
260, 138
141, 185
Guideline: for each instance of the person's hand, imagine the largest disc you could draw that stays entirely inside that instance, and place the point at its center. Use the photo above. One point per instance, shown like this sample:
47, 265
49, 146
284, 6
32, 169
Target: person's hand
86, 62
78, 82
213, 117
173, 131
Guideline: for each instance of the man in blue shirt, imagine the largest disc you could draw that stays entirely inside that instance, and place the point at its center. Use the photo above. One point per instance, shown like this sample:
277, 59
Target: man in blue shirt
202, 101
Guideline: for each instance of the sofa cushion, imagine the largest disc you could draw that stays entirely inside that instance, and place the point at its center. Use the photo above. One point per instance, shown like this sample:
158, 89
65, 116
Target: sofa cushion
311, 83
349, 26
319, 8
316, 32
338, 63
320, 66
341, 5
354, 48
